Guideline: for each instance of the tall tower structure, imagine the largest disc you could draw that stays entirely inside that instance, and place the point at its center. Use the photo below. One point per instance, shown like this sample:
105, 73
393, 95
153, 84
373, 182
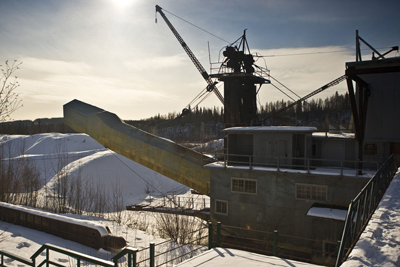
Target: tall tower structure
241, 77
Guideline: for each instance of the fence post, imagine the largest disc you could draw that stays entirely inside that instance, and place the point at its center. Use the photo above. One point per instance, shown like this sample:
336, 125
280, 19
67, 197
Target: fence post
275, 248
308, 166
134, 257
277, 163
251, 166
341, 168
151, 254
47, 257
225, 159
218, 234
210, 233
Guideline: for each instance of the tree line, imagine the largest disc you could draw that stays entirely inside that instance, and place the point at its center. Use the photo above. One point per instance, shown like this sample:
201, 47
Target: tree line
204, 124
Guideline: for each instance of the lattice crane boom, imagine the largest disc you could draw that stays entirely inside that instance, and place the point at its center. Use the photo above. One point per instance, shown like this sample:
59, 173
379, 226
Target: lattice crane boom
326, 86
211, 85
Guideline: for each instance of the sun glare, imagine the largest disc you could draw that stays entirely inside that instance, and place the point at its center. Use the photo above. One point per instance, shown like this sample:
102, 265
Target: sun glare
121, 4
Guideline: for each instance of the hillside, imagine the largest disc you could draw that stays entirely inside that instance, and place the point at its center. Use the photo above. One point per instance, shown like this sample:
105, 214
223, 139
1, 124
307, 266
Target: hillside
206, 124
72, 165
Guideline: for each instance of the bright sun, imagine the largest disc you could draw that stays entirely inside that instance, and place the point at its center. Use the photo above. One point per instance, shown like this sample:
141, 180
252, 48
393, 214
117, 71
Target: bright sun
122, 3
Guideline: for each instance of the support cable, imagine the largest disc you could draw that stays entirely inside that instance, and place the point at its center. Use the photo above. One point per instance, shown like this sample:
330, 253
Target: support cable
196, 26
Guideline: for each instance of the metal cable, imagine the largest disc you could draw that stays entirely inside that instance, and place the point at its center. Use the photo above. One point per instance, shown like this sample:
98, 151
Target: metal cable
196, 26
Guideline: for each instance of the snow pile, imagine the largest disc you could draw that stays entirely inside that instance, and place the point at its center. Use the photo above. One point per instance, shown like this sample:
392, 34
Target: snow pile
379, 243
80, 155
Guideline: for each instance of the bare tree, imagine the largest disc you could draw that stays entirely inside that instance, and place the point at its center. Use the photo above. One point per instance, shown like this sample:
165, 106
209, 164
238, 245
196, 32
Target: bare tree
9, 101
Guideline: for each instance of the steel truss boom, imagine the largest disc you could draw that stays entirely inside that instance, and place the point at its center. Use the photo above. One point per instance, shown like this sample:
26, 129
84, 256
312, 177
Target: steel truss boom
319, 90
211, 85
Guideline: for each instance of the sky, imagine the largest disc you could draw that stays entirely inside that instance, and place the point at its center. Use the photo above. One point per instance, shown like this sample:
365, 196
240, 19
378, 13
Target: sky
112, 54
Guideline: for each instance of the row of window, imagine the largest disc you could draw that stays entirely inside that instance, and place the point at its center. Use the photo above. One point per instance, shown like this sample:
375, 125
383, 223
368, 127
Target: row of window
249, 186
303, 191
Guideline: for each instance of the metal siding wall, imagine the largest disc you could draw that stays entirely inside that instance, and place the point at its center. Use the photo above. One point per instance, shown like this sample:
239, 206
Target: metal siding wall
383, 107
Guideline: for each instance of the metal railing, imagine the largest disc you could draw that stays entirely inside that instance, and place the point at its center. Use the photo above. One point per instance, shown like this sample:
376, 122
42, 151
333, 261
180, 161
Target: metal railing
79, 257
274, 244
169, 253
134, 257
363, 206
340, 167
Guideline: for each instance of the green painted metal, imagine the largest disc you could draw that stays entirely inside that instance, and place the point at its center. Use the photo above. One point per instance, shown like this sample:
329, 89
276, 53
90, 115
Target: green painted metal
165, 157
363, 205
152, 254
218, 234
210, 234
14, 257
132, 253
275, 248
73, 254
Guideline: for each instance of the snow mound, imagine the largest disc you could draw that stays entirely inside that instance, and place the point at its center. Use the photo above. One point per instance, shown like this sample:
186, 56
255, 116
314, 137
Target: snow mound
80, 155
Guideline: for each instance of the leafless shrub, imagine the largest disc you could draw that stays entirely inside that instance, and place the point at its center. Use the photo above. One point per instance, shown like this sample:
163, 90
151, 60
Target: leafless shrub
9, 101
182, 229
117, 202
19, 177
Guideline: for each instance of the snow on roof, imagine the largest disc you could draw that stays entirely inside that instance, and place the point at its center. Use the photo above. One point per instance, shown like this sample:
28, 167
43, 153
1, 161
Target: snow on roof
379, 244
317, 171
328, 213
323, 135
234, 257
101, 228
272, 129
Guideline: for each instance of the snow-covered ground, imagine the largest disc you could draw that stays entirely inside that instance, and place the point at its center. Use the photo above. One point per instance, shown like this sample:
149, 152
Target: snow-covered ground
379, 244
81, 155
233, 257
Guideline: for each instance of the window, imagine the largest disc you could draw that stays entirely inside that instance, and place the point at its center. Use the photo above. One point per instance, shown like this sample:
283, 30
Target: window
314, 149
312, 192
370, 149
244, 186
221, 207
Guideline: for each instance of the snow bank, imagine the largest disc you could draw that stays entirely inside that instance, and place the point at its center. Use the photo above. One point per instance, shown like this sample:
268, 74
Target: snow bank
102, 229
81, 155
379, 243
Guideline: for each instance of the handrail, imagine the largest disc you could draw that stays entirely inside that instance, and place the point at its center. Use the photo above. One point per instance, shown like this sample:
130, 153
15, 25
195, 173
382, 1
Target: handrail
74, 254
127, 250
14, 257
294, 162
364, 205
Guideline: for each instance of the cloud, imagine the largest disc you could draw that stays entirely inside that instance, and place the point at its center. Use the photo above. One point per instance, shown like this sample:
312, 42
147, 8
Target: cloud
143, 87
156, 63
304, 70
